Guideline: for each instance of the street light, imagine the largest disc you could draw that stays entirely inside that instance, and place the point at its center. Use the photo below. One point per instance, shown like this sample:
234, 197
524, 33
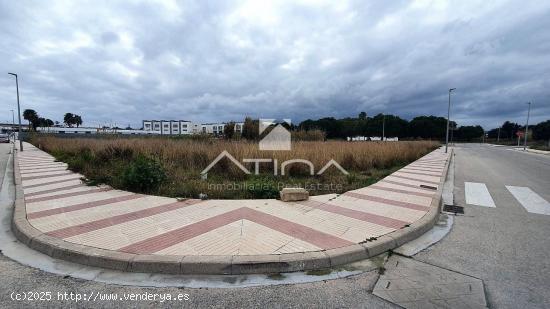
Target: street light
448, 115
527, 126
18, 111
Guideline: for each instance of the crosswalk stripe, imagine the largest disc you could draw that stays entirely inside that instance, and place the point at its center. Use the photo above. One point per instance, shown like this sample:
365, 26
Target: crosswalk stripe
531, 201
477, 194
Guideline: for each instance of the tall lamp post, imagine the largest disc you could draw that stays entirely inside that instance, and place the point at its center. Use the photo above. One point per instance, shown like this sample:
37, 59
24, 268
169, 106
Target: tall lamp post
527, 126
448, 115
18, 111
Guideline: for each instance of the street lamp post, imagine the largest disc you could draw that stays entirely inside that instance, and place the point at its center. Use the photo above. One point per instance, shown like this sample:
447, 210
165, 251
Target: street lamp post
448, 116
527, 126
18, 111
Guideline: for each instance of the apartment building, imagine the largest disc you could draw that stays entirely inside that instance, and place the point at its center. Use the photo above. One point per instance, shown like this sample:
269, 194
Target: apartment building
177, 127
169, 127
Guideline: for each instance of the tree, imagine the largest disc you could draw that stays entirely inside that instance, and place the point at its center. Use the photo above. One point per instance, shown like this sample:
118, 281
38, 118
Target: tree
509, 130
250, 129
541, 131
30, 115
71, 119
77, 120
428, 127
68, 119
362, 115
468, 133
229, 130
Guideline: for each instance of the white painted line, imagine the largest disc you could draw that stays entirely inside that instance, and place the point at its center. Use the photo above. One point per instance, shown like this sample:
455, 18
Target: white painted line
477, 194
531, 201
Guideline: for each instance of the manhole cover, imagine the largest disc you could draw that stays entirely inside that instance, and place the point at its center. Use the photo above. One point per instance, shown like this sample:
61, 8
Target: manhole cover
453, 208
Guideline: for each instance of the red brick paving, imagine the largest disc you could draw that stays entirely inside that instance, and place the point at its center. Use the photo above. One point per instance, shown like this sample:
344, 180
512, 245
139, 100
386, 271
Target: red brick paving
103, 223
60, 210
168, 239
359, 215
415, 179
47, 176
51, 182
70, 194
387, 201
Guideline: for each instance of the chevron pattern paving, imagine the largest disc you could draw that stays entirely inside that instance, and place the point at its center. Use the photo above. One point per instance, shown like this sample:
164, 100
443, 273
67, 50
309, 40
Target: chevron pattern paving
60, 205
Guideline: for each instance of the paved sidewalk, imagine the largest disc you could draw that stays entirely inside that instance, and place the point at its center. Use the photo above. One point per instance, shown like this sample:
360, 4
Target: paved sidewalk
59, 205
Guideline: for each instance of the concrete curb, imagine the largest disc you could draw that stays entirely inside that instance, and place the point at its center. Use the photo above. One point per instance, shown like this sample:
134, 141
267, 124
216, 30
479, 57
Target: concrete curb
213, 265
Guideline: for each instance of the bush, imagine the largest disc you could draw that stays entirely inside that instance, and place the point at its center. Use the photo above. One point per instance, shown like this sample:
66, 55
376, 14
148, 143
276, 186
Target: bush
143, 175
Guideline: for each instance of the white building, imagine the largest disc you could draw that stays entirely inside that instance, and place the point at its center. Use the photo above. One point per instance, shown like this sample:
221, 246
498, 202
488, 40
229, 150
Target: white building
217, 128
169, 127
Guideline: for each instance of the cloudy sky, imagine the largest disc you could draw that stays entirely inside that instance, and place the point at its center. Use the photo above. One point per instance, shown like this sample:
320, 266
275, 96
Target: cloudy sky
115, 62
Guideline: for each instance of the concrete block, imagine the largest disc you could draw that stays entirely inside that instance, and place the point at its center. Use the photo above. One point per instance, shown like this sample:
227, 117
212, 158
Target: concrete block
19, 211
294, 194
45, 244
254, 264
150, 263
70, 252
303, 261
207, 264
345, 255
23, 231
380, 245
109, 259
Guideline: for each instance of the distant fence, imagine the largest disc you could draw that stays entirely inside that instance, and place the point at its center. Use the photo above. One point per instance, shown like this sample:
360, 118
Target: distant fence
371, 138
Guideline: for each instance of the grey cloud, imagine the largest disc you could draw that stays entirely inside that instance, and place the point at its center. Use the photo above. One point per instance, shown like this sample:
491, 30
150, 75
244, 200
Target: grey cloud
121, 63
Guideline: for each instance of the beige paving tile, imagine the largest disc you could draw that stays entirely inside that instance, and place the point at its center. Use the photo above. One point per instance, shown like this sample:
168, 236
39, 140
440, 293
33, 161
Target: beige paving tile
60, 186
50, 223
67, 201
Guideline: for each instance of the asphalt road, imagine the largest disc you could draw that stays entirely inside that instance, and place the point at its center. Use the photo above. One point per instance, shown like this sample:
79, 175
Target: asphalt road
505, 246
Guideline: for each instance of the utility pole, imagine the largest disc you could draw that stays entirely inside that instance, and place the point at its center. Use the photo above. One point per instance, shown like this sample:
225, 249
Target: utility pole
18, 111
498, 136
448, 116
527, 126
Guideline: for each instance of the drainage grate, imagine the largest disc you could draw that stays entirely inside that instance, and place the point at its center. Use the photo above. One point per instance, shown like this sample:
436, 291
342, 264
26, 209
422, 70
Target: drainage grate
453, 208
428, 187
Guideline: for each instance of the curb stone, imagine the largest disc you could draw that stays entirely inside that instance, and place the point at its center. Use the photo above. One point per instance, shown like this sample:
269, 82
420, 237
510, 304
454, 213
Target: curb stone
229, 265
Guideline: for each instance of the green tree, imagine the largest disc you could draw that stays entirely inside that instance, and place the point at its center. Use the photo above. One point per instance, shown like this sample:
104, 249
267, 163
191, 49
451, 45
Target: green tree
31, 116
77, 120
468, 133
541, 131
68, 119
229, 130
250, 129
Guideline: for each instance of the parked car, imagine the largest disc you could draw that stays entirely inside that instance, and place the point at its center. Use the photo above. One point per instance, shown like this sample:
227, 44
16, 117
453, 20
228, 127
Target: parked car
4, 138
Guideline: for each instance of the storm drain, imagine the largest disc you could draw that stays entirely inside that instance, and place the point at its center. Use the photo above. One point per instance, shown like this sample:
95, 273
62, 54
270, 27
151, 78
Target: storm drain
428, 187
453, 209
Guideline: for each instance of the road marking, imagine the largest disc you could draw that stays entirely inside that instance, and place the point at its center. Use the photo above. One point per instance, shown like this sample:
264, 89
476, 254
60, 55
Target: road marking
477, 194
531, 201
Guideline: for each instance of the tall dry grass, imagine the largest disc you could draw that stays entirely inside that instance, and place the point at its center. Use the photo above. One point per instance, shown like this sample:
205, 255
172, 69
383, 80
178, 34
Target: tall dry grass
104, 159
194, 155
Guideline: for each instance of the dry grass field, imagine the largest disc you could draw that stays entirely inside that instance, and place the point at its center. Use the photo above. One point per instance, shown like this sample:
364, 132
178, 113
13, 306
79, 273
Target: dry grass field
172, 167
